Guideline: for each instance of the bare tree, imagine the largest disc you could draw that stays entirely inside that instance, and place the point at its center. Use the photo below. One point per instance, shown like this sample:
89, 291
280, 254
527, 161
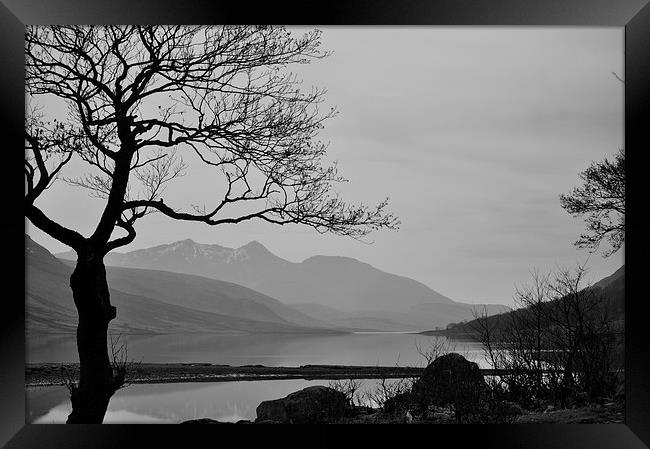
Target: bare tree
123, 367
386, 389
350, 388
120, 363
435, 348
581, 330
557, 343
141, 101
68, 376
601, 200
488, 331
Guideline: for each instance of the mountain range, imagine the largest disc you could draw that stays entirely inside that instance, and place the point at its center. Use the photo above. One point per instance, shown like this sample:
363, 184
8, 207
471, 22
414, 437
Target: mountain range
156, 302
339, 291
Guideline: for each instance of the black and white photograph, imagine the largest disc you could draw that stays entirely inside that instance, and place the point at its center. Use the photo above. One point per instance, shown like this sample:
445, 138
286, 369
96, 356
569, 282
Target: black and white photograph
324, 224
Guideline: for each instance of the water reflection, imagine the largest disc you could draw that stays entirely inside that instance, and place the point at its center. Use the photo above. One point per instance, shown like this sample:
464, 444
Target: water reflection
174, 403
226, 401
59, 415
268, 349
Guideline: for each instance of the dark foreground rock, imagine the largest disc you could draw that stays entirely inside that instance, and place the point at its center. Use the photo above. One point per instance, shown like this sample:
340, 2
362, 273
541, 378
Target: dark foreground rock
214, 421
611, 412
204, 421
316, 404
398, 404
450, 380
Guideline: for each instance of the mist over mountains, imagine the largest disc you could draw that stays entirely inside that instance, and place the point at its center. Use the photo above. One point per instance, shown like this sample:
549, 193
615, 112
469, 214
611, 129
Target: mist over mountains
339, 291
156, 302
340, 282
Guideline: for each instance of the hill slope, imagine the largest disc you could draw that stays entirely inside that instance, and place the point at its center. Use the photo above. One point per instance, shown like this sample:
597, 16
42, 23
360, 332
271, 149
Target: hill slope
610, 290
222, 307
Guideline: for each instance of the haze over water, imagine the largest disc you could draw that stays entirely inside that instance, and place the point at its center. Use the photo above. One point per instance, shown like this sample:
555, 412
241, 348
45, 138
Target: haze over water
369, 349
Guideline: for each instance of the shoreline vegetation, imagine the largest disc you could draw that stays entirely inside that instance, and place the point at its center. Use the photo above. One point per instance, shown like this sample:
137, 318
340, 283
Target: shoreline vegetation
394, 404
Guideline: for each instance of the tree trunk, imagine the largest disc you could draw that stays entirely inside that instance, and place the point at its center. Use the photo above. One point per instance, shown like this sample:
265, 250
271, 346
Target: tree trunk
96, 380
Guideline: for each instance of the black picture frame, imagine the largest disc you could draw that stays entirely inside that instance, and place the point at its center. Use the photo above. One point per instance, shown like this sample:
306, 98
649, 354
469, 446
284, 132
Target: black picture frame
634, 15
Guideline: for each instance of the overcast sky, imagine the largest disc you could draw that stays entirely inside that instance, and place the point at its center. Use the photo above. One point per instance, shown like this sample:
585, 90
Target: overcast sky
472, 133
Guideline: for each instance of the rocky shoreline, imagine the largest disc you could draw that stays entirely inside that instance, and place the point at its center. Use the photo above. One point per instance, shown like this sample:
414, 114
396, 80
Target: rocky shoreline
608, 413
323, 405
450, 389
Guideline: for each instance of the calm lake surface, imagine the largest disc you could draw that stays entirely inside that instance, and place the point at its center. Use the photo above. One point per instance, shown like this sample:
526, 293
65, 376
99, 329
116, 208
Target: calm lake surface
384, 348
226, 401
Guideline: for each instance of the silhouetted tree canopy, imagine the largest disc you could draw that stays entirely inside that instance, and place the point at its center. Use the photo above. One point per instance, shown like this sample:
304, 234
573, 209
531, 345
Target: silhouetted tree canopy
601, 200
144, 99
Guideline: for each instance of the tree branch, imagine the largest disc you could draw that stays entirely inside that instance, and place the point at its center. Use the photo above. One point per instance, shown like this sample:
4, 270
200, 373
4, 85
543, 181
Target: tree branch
64, 235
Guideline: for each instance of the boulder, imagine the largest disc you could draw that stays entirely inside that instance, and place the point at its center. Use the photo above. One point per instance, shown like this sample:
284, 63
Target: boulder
398, 404
204, 421
316, 404
213, 421
450, 380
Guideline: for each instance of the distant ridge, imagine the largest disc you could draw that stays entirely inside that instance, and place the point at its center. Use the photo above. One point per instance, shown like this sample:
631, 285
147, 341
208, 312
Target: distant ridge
367, 296
336, 281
